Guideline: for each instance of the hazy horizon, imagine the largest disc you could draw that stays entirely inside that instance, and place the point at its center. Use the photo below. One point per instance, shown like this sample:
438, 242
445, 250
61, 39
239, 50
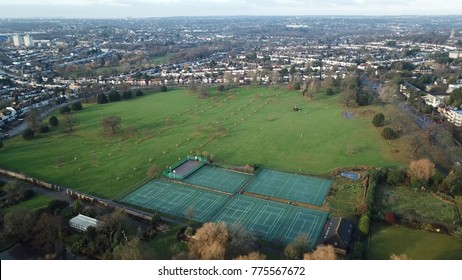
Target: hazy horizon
101, 9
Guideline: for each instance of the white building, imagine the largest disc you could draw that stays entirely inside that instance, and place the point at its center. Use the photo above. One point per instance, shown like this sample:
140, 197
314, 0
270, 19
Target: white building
453, 116
434, 100
455, 54
18, 40
28, 41
452, 87
82, 222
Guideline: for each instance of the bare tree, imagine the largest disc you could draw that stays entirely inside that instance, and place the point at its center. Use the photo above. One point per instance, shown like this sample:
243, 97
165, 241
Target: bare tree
33, 120
252, 256
348, 98
71, 121
209, 242
111, 124
322, 252
421, 170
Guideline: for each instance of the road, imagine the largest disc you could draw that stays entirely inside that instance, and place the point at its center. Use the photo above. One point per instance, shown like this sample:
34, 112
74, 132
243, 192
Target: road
22, 126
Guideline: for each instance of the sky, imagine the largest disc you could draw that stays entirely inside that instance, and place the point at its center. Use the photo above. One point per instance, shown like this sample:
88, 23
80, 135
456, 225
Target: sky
167, 8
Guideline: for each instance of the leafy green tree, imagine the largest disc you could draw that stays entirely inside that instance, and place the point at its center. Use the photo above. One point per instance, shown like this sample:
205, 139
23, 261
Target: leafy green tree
44, 128
65, 110
127, 94
102, 98
28, 134
378, 120
330, 91
296, 249
53, 121
114, 96
396, 177
455, 98
139, 92
1, 144
388, 133
77, 106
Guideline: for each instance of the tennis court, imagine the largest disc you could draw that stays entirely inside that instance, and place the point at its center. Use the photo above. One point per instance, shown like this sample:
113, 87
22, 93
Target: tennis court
273, 220
294, 187
218, 179
178, 200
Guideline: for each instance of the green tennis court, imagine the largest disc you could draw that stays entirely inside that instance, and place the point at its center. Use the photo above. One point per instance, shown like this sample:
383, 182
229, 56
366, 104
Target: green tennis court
273, 220
218, 179
294, 187
178, 200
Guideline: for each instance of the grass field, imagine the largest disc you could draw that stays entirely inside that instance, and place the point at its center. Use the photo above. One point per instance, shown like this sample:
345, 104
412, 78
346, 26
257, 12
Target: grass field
404, 200
416, 244
36, 202
243, 125
345, 196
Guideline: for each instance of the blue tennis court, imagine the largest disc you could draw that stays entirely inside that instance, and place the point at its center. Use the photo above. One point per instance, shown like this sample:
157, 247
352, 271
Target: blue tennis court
294, 187
271, 220
178, 200
218, 179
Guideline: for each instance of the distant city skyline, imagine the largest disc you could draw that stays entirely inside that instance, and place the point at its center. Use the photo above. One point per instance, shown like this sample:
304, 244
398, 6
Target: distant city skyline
169, 8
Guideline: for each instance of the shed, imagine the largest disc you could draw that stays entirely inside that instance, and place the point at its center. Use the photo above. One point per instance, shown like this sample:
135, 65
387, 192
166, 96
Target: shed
82, 222
337, 232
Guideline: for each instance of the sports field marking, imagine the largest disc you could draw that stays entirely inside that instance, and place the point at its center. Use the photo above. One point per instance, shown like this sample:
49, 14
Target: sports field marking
297, 227
271, 216
235, 211
204, 204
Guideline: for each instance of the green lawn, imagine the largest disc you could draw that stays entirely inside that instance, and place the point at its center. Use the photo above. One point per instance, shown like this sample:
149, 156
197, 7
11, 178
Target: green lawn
416, 244
345, 196
243, 125
403, 200
164, 245
36, 202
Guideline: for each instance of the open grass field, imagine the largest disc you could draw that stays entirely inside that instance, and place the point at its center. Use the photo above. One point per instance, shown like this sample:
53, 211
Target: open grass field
243, 125
404, 201
345, 196
416, 244
36, 202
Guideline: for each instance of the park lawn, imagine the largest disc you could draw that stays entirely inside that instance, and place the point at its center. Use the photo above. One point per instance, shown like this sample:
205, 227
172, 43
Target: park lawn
416, 244
345, 196
403, 200
243, 125
164, 245
36, 202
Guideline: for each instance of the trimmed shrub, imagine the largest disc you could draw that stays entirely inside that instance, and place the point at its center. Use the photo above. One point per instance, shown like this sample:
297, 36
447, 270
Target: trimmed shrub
114, 96
77, 106
388, 133
378, 120
102, 99
44, 128
139, 92
396, 177
53, 121
163, 88
330, 91
127, 94
358, 251
364, 224
28, 134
